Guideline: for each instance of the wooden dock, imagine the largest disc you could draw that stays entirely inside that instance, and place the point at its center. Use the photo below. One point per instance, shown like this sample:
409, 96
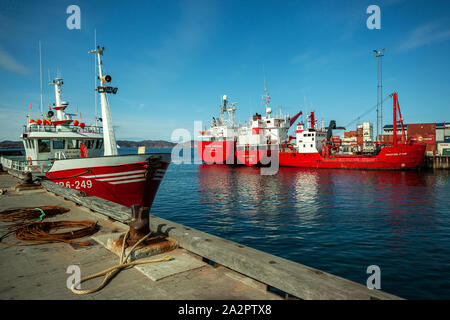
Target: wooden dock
249, 266
437, 162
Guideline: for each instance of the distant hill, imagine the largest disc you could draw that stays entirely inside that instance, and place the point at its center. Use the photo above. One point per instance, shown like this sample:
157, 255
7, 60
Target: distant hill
153, 144
146, 143
7, 144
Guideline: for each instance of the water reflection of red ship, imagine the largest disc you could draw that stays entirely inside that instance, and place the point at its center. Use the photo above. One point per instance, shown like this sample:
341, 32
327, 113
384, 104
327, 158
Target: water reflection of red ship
400, 198
295, 183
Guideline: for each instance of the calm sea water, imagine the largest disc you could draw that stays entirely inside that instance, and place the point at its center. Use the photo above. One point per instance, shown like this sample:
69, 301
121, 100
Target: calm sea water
339, 221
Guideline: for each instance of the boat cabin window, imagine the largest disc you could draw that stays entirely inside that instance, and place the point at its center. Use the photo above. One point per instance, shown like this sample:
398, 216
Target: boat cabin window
59, 144
89, 143
73, 144
99, 144
43, 145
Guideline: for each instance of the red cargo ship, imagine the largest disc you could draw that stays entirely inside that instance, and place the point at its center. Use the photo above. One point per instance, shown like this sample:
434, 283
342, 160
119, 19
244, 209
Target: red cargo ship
315, 149
217, 151
219, 142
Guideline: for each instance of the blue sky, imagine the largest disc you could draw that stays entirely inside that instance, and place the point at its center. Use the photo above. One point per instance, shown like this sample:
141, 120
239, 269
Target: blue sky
173, 60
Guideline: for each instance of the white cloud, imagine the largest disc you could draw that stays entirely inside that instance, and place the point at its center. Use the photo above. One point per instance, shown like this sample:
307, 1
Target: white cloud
425, 34
9, 63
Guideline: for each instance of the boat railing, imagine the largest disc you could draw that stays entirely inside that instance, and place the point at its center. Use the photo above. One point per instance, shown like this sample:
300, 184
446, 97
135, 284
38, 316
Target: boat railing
47, 128
19, 163
60, 155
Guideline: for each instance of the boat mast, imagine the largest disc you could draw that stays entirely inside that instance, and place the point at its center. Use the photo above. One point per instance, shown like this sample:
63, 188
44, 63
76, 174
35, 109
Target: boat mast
95, 79
223, 108
397, 110
109, 138
40, 78
266, 96
379, 54
266, 99
57, 82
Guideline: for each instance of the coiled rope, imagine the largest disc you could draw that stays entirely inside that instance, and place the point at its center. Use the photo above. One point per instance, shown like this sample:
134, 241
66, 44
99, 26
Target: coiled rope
30, 213
110, 273
41, 232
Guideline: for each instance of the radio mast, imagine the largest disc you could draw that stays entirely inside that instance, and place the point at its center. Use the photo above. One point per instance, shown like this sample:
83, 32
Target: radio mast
379, 54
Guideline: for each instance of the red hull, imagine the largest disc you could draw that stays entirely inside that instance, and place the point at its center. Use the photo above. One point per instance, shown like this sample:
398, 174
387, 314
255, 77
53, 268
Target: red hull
254, 155
124, 183
399, 157
219, 152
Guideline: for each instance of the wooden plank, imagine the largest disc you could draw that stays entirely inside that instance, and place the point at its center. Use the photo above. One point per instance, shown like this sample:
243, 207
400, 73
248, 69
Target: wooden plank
291, 277
108, 208
17, 174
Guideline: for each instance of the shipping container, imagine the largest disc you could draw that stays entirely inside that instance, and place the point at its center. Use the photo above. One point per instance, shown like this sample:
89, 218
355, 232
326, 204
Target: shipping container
442, 148
388, 138
439, 134
431, 149
351, 134
421, 129
336, 139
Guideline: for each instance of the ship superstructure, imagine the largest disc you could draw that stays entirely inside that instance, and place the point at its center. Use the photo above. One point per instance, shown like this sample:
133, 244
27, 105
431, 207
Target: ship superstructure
309, 139
263, 135
58, 136
217, 144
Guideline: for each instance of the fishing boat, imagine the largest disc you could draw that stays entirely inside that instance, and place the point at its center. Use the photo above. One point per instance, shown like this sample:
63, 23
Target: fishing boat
314, 148
125, 179
55, 135
217, 144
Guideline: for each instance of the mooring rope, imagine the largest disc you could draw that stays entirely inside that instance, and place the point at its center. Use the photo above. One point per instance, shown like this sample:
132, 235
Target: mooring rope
40, 232
110, 273
30, 213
